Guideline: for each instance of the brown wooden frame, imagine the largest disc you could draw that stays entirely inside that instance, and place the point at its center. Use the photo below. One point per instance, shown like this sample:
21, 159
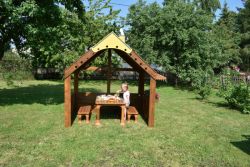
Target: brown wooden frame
133, 59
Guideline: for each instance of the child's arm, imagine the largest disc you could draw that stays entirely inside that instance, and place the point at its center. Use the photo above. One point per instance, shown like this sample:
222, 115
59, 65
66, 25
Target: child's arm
118, 91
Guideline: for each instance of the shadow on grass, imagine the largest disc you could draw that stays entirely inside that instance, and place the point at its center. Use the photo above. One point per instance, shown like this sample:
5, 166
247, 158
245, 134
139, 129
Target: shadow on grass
219, 104
182, 87
42, 94
243, 145
110, 112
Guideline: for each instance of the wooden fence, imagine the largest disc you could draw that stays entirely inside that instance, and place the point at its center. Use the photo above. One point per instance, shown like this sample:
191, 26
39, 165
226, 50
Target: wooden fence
236, 79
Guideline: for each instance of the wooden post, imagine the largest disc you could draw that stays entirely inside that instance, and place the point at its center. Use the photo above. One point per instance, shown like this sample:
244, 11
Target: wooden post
123, 110
67, 101
151, 102
109, 71
76, 73
141, 92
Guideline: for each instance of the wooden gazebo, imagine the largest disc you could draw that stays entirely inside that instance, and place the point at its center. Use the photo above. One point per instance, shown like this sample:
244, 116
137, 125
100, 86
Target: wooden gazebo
144, 102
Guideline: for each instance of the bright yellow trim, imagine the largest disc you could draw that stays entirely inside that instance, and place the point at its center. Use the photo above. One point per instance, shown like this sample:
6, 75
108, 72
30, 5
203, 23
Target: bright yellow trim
112, 41
122, 37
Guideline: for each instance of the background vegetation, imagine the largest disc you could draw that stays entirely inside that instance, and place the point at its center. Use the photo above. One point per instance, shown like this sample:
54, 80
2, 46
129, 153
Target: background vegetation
183, 37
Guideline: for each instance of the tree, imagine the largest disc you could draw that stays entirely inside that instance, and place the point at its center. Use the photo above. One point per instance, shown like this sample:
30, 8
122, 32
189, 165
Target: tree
225, 32
177, 36
53, 33
99, 22
142, 20
244, 29
208, 5
15, 15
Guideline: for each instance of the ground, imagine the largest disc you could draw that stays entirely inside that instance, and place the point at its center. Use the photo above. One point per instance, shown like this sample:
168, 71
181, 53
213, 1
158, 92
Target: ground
187, 132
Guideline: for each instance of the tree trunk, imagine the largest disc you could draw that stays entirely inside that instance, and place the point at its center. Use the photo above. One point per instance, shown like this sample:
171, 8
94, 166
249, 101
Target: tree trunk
1, 50
176, 81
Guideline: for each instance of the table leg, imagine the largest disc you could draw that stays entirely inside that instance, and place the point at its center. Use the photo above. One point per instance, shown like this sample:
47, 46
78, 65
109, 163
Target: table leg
97, 120
123, 108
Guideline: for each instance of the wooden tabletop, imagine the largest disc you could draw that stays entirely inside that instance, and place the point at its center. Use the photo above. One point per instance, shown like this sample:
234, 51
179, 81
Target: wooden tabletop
110, 102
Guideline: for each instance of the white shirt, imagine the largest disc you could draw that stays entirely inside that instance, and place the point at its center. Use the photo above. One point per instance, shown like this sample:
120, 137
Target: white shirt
126, 98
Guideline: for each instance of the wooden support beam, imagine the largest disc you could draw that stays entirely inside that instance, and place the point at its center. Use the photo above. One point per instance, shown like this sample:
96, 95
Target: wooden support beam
109, 71
124, 69
105, 69
81, 61
67, 101
141, 91
76, 80
76, 85
151, 102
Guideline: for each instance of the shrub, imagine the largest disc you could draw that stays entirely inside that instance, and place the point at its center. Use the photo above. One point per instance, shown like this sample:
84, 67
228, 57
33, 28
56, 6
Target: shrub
204, 91
202, 84
237, 96
236, 92
13, 68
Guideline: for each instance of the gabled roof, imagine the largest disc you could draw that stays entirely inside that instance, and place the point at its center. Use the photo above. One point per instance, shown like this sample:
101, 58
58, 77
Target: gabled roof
112, 41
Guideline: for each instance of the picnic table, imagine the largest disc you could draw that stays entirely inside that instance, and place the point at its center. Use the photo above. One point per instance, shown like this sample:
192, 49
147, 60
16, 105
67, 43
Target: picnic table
109, 101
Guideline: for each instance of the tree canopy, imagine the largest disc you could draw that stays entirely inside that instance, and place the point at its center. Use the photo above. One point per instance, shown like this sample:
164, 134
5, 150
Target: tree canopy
53, 33
177, 36
181, 36
244, 29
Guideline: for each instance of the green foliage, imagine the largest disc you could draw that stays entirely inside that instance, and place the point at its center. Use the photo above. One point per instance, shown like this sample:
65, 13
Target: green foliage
240, 98
244, 28
203, 88
100, 23
203, 83
18, 16
227, 37
14, 68
55, 33
204, 91
102, 60
8, 77
237, 95
178, 37
208, 5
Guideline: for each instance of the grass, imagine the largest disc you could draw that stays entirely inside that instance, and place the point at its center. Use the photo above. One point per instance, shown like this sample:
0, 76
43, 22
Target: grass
187, 132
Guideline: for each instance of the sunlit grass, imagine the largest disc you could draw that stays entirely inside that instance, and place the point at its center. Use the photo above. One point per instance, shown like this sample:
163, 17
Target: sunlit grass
187, 132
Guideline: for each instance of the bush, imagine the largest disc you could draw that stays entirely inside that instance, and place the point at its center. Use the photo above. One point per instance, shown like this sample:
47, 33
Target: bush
237, 96
202, 83
236, 92
204, 91
14, 68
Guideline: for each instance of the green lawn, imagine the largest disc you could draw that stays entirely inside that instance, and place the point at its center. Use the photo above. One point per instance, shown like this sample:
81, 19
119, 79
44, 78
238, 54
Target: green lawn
187, 132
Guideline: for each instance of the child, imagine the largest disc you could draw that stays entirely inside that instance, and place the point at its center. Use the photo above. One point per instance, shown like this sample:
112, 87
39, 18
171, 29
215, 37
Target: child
126, 96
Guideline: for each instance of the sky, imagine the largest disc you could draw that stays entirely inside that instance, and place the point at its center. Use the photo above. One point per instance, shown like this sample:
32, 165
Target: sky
124, 5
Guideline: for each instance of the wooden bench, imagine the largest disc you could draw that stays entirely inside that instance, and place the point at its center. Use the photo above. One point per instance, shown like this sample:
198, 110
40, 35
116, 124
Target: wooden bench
132, 111
84, 110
